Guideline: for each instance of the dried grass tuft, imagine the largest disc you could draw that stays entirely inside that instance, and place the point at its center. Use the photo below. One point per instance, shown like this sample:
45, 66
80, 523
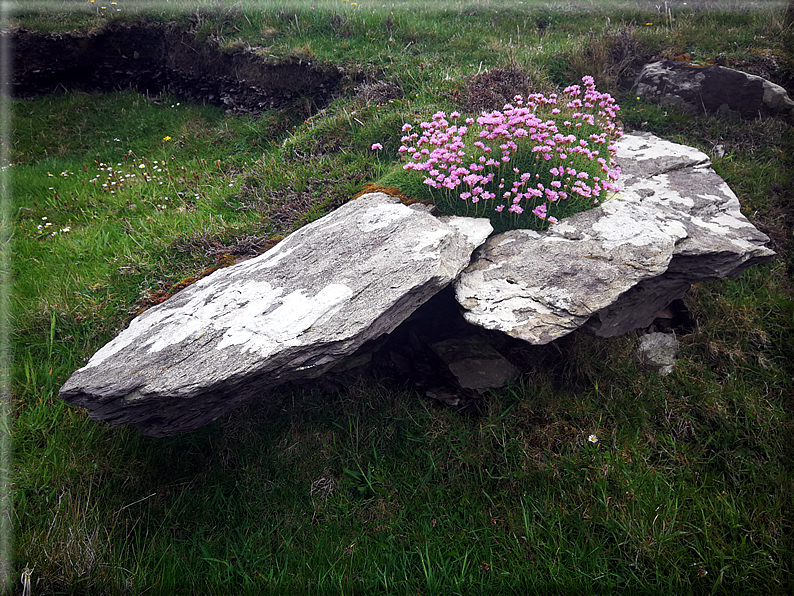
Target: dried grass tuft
379, 92
611, 57
493, 89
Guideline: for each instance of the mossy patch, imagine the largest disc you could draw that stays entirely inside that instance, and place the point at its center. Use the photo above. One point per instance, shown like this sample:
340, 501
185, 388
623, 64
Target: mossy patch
392, 191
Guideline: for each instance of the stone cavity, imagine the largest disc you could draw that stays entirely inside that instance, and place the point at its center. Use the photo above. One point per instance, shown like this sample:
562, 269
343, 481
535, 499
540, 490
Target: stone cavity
712, 89
291, 313
612, 269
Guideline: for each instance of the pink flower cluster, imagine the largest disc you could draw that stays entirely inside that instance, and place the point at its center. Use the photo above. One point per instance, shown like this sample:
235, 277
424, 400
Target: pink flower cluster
518, 157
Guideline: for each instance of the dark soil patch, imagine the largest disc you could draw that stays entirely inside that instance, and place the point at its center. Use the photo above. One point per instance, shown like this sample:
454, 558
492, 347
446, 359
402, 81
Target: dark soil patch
153, 58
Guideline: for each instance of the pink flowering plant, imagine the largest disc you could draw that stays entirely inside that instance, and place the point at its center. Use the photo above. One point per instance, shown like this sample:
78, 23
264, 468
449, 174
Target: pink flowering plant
526, 166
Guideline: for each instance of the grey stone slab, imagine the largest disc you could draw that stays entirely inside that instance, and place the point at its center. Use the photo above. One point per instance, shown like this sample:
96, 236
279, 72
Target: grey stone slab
675, 223
290, 313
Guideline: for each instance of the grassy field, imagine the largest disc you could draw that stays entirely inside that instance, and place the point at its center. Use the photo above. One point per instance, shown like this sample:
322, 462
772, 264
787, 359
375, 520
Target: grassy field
118, 201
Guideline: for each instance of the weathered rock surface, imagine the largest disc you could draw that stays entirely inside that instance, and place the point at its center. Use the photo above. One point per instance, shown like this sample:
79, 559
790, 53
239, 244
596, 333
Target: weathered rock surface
612, 269
712, 89
290, 313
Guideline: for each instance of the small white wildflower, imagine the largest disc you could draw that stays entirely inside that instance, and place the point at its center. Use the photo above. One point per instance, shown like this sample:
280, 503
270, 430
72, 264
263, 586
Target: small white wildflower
142, 166
592, 439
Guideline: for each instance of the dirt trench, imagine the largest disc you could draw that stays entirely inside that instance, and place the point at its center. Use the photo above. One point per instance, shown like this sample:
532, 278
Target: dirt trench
153, 58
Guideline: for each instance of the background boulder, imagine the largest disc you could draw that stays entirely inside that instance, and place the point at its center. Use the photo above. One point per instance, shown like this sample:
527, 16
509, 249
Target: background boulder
713, 89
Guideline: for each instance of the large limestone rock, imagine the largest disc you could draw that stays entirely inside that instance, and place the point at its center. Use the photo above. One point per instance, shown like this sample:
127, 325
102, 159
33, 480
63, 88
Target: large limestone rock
290, 313
612, 269
712, 89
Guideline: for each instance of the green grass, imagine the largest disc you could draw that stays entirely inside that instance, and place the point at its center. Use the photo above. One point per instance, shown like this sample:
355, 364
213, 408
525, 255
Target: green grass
376, 488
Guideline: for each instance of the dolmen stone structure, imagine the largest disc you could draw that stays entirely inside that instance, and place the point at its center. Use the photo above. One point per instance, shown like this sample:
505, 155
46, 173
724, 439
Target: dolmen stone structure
714, 90
356, 274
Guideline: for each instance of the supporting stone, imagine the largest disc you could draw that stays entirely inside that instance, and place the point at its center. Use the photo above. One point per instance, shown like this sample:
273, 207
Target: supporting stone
326, 291
658, 352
